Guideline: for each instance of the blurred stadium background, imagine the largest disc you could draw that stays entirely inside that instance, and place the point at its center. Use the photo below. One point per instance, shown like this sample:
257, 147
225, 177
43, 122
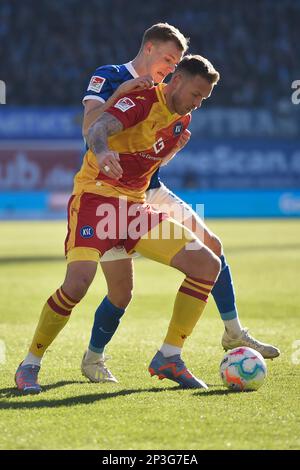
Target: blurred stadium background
244, 156
243, 161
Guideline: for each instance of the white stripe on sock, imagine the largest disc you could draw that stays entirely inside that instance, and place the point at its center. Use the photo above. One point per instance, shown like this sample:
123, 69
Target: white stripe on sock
168, 350
32, 359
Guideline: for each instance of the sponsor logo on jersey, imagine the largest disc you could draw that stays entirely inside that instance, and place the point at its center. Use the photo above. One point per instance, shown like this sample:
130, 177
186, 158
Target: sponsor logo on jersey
148, 156
96, 83
178, 128
87, 231
124, 104
140, 98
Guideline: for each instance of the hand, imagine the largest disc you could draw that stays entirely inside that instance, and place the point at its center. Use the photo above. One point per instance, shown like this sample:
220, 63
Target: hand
108, 162
136, 84
183, 140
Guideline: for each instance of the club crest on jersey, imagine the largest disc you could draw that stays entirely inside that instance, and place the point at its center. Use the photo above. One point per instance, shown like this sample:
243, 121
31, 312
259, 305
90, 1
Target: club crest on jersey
178, 128
124, 104
87, 231
96, 83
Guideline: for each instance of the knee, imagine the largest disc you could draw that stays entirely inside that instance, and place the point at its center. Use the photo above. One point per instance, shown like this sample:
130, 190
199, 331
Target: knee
215, 244
209, 268
120, 294
82, 285
122, 299
78, 287
215, 265
197, 260
203, 264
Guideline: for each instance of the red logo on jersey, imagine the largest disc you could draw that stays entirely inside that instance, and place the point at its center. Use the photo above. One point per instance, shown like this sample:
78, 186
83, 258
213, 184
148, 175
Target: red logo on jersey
96, 83
124, 103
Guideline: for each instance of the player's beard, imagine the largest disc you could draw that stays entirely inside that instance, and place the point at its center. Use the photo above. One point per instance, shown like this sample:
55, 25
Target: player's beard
177, 105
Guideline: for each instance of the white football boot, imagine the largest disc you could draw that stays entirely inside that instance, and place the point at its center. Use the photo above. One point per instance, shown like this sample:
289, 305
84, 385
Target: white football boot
96, 371
266, 350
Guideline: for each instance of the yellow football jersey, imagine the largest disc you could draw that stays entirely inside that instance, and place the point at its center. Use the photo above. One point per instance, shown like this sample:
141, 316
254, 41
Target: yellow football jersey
150, 133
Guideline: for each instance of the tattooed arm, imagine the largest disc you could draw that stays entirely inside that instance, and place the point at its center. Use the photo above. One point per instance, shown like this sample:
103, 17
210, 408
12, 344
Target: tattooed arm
92, 111
105, 126
108, 160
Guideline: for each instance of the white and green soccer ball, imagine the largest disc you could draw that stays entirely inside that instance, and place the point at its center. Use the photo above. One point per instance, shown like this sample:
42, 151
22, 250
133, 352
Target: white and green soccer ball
243, 369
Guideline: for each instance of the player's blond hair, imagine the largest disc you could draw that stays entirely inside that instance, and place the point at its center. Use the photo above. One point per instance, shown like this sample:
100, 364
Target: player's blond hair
198, 65
163, 32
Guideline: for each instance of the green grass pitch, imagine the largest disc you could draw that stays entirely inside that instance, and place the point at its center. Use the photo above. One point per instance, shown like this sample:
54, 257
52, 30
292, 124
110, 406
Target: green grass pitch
141, 412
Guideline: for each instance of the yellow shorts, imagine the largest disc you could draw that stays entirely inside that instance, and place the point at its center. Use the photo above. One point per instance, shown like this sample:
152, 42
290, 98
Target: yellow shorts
163, 238
164, 241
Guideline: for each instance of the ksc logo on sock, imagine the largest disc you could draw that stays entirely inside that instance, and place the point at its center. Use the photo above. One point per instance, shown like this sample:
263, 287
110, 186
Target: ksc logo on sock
87, 231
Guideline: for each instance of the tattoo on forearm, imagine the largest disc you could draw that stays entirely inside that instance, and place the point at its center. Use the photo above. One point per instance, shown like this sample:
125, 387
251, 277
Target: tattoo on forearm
105, 126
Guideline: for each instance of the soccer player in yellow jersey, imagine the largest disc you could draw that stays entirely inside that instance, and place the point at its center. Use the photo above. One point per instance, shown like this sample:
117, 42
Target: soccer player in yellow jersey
161, 48
126, 145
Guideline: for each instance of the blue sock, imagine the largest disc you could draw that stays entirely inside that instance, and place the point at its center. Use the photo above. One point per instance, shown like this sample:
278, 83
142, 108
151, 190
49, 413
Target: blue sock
106, 322
223, 293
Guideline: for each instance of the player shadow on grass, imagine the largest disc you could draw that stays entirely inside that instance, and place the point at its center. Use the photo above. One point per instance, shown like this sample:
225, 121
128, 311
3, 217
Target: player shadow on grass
14, 392
223, 391
70, 401
85, 399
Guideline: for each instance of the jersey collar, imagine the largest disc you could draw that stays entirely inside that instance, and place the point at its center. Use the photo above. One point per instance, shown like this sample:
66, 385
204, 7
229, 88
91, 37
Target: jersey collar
160, 93
162, 99
131, 69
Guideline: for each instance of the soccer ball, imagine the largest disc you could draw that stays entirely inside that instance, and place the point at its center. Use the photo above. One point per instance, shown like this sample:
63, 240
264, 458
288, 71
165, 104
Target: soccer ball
243, 369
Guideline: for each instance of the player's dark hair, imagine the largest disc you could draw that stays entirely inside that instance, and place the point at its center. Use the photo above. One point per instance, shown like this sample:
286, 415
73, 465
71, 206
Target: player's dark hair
163, 32
198, 65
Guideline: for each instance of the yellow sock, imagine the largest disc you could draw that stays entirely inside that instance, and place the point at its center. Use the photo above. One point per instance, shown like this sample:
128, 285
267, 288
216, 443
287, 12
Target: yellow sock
190, 302
54, 316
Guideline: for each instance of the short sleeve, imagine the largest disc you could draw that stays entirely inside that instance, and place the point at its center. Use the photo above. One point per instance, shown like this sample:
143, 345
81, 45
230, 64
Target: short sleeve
99, 87
129, 110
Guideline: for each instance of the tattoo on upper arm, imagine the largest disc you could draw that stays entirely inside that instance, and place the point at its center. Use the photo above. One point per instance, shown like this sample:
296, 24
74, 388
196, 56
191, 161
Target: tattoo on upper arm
113, 125
105, 126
